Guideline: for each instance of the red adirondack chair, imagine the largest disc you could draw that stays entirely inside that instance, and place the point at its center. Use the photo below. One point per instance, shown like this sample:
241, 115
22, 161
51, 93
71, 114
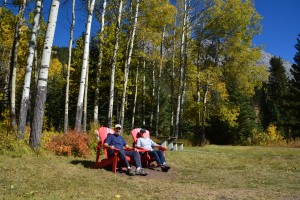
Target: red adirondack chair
106, 161
145, 157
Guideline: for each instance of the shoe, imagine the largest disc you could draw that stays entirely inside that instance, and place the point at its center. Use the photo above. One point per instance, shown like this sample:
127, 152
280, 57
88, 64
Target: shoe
165, 168
130, 172
141, 172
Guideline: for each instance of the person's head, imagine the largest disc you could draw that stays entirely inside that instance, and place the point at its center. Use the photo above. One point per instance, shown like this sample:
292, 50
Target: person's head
142, 132
118, 128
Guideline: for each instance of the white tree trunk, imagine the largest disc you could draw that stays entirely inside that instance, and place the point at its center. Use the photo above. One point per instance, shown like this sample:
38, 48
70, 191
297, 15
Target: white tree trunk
113, 67
126, 70
144, 92
99, 66
39, 109
13, 65
158, 83
180, 84
66, 119
27, 79
85, 99
78, 121
153, 95
172, 85
135, 96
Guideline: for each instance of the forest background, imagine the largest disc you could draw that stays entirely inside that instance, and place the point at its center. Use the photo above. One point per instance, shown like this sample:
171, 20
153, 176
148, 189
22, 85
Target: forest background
187, 69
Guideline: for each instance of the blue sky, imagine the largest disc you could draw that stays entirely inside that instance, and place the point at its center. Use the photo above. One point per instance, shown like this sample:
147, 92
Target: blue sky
280, 26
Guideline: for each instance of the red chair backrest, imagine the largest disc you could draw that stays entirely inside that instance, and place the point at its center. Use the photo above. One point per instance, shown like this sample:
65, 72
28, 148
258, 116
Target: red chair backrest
102, 132
135, 133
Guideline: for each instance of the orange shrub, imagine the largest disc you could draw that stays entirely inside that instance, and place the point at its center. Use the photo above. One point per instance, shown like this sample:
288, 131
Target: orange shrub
72, 143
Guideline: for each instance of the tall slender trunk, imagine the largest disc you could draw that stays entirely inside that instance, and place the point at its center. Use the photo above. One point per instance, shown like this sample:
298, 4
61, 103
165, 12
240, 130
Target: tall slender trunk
183, 88
85, 99
135, 96
173, 86
91, 5
127, 67
198, 91
153, 95
144, 93
158, 83
113, 67
27, 80
39, 109
66, 119
180, 84
99, 65
202, 135
13, 65
184, 67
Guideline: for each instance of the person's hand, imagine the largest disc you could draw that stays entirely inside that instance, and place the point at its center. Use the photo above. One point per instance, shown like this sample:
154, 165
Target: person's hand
112, 147
135, 149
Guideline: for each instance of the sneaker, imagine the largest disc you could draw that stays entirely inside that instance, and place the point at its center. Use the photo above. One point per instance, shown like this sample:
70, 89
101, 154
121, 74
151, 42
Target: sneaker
141, 172
130, 172
165, 168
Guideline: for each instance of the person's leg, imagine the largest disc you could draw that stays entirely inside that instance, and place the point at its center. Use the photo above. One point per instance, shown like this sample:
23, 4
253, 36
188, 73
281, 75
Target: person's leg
136, 157
122, 156
157, 158
161, 156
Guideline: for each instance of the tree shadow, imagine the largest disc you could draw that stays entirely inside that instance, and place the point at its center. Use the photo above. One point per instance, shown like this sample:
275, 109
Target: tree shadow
85, 163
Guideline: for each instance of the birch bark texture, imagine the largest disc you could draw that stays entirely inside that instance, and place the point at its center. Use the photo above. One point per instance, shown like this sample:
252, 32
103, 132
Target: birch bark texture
181, 71
91, 5
127, 65
13, 64
159, 82
99, 65
113, 67
27, 80
66, 119
41, 94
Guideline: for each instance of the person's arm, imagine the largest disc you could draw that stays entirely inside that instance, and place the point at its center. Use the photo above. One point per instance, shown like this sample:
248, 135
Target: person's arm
153, 144
127, 147
109, 146
108, 142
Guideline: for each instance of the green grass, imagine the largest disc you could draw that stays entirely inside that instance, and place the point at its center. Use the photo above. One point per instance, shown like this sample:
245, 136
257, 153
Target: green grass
210, 172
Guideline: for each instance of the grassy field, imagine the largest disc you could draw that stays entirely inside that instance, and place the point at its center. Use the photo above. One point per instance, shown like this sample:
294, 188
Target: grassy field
211, 172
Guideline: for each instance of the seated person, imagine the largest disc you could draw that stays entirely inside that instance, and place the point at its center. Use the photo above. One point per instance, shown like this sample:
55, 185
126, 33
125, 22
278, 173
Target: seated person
117, 141
148, 144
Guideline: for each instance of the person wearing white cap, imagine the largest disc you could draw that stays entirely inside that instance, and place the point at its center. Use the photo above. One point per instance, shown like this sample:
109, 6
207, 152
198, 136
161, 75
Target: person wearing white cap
116, 141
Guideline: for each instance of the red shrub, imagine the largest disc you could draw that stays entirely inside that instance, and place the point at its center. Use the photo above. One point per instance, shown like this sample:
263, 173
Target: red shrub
72, 143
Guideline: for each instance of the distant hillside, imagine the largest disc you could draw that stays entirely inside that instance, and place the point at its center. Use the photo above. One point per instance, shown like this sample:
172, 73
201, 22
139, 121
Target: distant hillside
265, 60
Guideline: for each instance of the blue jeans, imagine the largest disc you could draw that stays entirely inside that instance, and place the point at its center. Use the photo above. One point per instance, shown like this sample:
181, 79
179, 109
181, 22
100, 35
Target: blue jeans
159, 157
132, 154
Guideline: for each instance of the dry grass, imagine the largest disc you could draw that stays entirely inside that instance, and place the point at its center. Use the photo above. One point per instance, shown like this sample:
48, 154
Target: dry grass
211, 172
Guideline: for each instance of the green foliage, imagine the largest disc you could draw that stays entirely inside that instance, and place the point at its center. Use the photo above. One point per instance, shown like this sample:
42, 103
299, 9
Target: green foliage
10, 145
72, 143
271, 137
277, 90
293, 107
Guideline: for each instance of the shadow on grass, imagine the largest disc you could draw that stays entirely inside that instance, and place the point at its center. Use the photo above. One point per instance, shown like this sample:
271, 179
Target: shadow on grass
85, 163
89, 164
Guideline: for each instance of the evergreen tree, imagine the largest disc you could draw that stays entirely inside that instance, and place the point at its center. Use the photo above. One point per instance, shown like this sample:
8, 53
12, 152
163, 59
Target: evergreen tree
277, 90
294, 100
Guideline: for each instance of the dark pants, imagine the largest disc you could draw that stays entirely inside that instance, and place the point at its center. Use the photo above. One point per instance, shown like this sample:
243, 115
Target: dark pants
159, 157
132, 154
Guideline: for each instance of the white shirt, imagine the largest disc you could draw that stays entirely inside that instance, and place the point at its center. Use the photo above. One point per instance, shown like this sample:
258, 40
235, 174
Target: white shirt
146, 143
